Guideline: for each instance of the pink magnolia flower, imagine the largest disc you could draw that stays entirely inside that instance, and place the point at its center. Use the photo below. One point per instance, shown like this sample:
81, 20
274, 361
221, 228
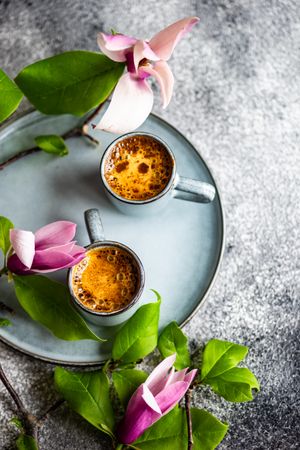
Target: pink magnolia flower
50, 248
133, 98
162, 390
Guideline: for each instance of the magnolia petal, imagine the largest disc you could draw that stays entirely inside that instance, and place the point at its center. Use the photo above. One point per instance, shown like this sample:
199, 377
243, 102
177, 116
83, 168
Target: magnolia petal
70, 264
178, 376
159, 376
15, 266
139, 415
164, 42
143, 50
51, 260
76, 250
189, 377
76, 259
169, 379
130, 106
171, 395
63, 248
60, 232
23, 243
150, 399
163, 382
163, 74
70, 248
115, 46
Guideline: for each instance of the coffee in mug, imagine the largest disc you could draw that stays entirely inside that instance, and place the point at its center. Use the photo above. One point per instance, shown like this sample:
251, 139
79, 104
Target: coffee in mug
138, 167
106, 280
139, 175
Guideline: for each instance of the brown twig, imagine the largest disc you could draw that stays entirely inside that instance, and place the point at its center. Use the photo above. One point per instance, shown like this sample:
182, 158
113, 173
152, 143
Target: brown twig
30, 422
19, 156
93, 115
85, 126
12, 392
77, 131
189, 419
52, 408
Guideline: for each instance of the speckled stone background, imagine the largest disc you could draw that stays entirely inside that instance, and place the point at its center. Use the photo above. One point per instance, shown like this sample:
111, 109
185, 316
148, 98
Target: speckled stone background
237, 97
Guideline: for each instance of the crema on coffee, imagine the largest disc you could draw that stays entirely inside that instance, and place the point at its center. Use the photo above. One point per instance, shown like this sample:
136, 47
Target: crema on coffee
106, 280
138, 167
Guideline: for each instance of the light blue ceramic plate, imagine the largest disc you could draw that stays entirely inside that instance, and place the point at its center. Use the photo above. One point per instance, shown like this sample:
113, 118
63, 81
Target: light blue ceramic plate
180, 248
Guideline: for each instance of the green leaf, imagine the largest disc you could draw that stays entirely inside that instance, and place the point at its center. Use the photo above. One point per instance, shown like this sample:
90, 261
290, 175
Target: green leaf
48, 302
17, 422
208, 431
127, 381
220, 356
235, 384
172, 340
4, 322
138, 337
5, 226
69, 83
52, 143
169, 433
25, 442
10, 96
87, 393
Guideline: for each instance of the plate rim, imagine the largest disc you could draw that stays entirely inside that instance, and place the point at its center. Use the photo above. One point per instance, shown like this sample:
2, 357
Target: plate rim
201, 300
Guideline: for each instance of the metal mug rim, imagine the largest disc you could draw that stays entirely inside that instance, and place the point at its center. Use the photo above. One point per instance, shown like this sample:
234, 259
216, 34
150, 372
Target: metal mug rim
168, 187
137, 296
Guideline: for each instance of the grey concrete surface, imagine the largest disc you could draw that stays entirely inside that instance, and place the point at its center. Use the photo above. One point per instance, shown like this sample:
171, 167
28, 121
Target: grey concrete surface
237, 97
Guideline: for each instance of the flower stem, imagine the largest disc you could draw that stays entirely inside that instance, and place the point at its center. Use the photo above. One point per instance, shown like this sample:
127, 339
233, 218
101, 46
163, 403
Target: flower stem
77, 131
189, 419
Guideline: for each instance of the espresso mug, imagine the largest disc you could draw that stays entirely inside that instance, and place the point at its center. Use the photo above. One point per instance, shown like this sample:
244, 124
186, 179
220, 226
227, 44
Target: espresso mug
139, 175
107, 284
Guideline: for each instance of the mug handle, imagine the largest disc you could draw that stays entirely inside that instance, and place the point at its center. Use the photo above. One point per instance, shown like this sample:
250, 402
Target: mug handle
193, 190
94, 225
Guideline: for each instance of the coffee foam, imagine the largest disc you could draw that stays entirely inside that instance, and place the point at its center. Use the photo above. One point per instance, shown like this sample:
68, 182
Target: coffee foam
138, 168
106, 280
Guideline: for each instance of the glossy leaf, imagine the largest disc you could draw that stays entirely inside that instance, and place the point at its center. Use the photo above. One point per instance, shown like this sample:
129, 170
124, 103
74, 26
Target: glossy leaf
5, 226
168, 433
220, 356
87, 393
235, 384
138, 337
10, 96
208, 431
52, 143
72, 82
25, 442
173, 340
48, 302
4, 322
126, 381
